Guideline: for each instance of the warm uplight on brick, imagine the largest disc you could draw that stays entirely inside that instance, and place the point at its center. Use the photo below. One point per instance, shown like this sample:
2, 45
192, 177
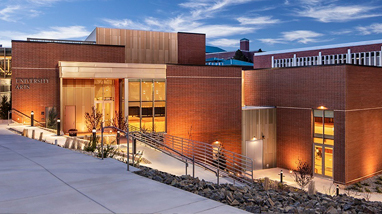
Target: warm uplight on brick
322, 107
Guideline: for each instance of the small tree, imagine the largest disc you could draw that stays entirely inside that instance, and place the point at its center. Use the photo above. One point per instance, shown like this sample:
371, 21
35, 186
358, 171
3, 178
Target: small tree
304, 174
119, 121
93, 119
52, 118
240, 56
5, 106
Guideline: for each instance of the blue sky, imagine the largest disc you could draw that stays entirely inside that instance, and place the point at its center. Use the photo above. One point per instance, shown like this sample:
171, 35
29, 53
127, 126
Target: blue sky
269, 25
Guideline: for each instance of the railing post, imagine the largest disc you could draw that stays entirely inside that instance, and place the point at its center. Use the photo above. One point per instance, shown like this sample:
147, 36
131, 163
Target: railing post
102, 139
134, 142
193, 166
127, 146
118, 138
182, 146
173, 142
9, 112
186, 166
218, 168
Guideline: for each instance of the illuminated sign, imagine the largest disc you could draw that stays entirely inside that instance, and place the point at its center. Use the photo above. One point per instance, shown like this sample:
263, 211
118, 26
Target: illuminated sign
24, 83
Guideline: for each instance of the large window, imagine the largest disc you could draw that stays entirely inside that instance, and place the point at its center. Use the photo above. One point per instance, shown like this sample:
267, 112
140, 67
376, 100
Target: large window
323, 142
147, 104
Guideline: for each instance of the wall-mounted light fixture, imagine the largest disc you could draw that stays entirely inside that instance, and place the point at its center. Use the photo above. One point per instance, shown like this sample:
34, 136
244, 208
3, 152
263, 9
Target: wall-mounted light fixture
322, 107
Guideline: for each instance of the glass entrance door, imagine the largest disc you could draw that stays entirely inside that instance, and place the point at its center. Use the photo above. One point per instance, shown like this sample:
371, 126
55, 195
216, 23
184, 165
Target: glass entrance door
323, 142
106, 109
318, 160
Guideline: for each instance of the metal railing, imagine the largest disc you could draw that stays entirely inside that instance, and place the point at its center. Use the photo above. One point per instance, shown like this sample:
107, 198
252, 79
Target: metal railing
219, 160
23, 118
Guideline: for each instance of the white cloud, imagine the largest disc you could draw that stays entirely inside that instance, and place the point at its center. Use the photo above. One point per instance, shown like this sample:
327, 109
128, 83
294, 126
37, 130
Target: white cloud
272, 41
225, 42
125, 23
201, 9
70, 32
261, 20
7, 12
375, 28
341, 32
334, 13
300, 36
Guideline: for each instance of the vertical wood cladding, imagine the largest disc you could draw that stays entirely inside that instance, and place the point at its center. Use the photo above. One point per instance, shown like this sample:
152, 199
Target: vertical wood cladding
208, 99
191, 49
142, 46
40, 60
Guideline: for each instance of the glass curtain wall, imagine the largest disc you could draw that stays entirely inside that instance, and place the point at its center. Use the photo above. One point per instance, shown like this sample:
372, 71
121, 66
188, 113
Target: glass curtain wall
147, 104
5, 62
323, 142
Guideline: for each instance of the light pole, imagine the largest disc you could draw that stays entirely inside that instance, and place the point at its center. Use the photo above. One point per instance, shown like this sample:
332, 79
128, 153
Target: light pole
94, 131
32, 118
58, 126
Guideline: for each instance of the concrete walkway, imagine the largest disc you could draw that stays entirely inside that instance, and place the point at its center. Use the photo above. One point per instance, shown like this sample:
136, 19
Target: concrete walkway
36, 177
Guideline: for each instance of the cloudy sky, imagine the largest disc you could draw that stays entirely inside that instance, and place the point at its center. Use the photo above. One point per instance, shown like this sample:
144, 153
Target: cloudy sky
268, 24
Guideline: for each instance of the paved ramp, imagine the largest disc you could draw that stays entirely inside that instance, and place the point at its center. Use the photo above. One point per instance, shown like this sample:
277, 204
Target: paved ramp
36, 177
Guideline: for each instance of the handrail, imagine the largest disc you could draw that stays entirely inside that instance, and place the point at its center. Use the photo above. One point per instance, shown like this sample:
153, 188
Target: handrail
234, 165
128, 142
19, 112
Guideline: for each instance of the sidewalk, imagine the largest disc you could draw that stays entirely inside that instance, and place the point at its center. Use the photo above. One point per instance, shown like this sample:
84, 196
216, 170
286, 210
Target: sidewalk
36, 177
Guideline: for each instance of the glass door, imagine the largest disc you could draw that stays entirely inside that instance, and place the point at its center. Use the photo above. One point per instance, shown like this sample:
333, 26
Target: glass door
323, 142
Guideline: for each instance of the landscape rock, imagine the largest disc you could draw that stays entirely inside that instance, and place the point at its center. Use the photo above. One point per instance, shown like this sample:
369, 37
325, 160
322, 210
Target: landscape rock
256, 199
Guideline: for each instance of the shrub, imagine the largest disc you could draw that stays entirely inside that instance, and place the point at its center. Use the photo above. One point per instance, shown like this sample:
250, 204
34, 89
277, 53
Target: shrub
92, 144
367, 189
365, 184
52, 119
93, 119
108, 151
5, 106
304, 174
378, 190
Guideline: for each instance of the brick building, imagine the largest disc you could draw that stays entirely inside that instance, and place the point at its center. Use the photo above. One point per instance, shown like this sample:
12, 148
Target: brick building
321, 105
328, 106
157, 79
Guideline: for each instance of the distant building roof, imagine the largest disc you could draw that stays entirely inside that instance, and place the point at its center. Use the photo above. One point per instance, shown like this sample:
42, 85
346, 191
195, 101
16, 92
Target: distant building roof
226, 62
212, 49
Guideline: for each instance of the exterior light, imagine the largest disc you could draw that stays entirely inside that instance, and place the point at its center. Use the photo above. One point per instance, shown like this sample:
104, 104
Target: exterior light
290, 171
254, 138
58, 126
32, 118
322, 107
94, 131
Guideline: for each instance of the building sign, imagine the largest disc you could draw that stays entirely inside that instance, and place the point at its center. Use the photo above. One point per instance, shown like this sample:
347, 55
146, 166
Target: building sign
24, 83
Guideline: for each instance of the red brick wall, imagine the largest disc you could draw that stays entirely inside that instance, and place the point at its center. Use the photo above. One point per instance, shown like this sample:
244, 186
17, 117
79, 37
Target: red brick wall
265, 61
294, 137
191, 48
303, 87
295, 92
40, 60
363, 122
208, 99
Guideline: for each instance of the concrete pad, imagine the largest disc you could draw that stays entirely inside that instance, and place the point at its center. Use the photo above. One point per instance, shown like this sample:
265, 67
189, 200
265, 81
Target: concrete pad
36, 177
